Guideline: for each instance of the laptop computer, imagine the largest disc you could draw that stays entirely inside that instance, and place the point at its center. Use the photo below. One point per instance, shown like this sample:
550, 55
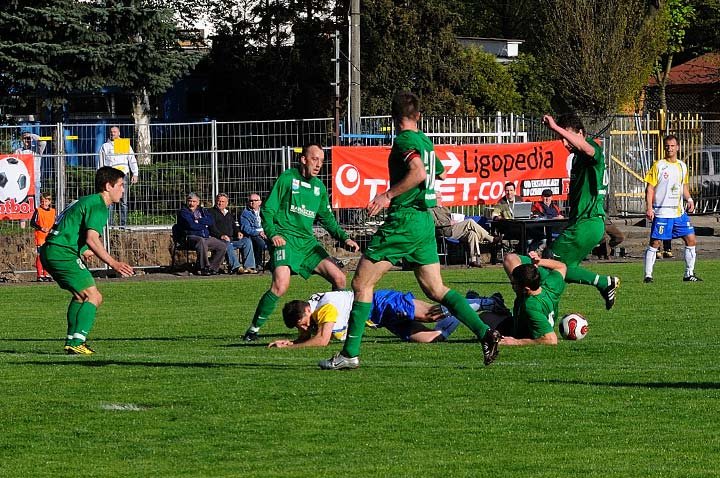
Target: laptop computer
521, 210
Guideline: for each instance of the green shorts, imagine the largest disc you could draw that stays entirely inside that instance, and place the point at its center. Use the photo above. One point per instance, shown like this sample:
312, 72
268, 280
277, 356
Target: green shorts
578, 240
302, 256
68, 270
406, 234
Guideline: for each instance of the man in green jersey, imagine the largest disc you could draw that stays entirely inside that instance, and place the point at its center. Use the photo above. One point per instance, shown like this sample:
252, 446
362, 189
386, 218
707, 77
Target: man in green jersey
586, 222
538, 284
75, 237
297, 197
407, 233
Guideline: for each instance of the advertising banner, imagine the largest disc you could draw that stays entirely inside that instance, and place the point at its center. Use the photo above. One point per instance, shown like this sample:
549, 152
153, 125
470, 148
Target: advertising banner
475, 173
17, 186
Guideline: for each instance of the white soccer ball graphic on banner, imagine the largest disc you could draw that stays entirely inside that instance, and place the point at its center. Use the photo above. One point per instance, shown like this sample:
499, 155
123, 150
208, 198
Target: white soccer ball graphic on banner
14, 180
573, 326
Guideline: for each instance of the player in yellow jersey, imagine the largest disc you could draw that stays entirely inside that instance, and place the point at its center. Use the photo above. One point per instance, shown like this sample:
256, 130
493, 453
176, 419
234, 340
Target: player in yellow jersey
667, 199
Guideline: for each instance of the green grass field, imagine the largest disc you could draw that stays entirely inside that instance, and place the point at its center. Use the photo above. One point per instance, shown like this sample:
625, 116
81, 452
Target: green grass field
173, 391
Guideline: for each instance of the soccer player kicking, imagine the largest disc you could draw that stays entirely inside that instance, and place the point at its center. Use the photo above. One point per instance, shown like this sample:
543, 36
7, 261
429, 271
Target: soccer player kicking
325, 316
586, 222
75, 237
297, 197
407, 233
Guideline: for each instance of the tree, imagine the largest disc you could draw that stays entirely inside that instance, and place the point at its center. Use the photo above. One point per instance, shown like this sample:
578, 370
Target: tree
488, 84
702, 33
411, 48
146, 56
530, 78
679, 17
47, 51
600, 53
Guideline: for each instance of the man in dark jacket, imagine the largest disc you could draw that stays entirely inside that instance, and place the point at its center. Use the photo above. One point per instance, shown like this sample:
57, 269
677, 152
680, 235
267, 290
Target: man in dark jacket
194, 222
227, 229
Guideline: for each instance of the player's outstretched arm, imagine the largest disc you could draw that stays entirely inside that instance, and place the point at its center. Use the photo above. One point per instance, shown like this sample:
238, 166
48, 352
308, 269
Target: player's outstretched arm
550, 264
548, 339
321, 339
95, 244
576, 139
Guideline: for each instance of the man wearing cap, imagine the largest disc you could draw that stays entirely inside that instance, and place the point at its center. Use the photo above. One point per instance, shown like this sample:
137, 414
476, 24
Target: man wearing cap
545, 209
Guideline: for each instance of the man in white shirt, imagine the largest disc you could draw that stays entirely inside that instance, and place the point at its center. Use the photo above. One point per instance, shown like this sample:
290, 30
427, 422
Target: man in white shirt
665, 193
125, 161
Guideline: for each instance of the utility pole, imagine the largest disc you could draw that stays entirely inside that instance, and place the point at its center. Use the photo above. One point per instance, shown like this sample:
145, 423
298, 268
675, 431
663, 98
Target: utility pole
355, 65
336, 84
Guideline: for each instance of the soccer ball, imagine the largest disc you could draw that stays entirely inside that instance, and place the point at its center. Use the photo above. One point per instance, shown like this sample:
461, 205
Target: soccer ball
573, 326
14, 180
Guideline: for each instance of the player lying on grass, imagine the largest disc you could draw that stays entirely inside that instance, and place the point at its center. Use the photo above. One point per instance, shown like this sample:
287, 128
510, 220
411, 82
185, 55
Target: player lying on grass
75, 237
538, 284
325, 316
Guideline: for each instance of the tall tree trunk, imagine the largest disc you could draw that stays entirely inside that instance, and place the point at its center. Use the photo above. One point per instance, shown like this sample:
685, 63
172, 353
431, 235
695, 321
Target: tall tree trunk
141, 115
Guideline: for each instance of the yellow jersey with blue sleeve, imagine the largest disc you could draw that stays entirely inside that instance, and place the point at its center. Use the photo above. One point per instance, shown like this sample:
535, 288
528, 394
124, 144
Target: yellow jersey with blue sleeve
332, 307
668, 178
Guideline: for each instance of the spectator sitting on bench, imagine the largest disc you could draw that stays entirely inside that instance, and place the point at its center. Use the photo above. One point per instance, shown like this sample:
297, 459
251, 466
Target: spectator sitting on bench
469, 232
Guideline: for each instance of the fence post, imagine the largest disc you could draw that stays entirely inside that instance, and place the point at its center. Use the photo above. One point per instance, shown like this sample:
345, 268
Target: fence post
214, 158
60, 167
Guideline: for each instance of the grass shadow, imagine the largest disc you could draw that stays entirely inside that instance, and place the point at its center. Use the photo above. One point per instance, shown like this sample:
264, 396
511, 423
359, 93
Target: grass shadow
669, 385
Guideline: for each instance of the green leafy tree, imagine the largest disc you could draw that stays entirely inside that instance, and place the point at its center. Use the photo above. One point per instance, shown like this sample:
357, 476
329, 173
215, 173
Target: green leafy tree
600, 53
487, 84
702, 33
146, 57
48, 50
530, 79
680, 14
411, 48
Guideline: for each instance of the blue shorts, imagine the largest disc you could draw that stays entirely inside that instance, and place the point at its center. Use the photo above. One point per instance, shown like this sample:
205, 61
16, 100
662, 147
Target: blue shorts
394, 311
671, 228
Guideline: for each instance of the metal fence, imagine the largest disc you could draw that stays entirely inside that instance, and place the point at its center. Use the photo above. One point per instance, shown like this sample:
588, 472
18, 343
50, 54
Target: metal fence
239, 158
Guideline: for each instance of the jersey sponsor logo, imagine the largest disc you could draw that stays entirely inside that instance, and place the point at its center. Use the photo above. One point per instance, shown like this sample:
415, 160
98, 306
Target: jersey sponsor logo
302, 211
304, 184
295, 184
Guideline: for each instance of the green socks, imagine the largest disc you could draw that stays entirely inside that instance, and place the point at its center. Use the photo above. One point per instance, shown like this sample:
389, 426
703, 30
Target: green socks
459, 307
85, 321
265, 308
359, 314
578, 275
72, 313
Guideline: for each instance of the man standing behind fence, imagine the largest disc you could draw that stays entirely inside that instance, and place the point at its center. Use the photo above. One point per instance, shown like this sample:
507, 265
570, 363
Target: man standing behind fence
32, 144
118, 153
297, 197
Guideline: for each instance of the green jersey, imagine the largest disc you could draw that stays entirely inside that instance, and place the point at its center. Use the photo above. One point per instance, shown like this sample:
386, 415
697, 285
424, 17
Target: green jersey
534, 315
293, 204
588, 184
89, 212
407, 144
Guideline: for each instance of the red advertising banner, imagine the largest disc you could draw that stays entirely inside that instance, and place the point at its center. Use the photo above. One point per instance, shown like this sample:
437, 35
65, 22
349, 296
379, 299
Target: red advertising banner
475, 173
17, 186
